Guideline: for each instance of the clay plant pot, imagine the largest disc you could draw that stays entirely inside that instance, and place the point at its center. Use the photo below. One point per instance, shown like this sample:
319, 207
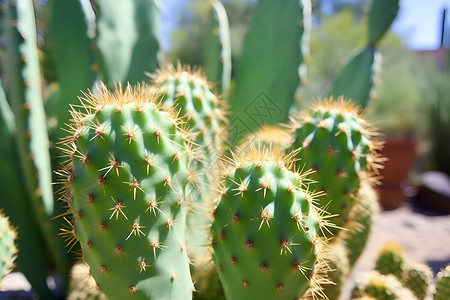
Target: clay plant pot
401, 155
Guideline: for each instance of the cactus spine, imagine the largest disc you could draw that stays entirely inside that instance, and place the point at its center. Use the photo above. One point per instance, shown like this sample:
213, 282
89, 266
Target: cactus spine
127, 184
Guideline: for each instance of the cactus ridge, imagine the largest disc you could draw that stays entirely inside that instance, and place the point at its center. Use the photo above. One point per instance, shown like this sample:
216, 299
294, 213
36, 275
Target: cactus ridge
265, 231
128, 179
8, 249
338, 144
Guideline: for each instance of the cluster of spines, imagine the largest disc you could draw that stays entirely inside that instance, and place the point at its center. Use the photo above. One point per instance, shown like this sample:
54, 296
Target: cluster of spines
125, 181
339, 145
265, 225
8, 249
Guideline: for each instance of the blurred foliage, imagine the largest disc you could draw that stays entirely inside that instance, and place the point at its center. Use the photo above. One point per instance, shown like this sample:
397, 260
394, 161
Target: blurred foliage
395, 108
436, 94
189, 40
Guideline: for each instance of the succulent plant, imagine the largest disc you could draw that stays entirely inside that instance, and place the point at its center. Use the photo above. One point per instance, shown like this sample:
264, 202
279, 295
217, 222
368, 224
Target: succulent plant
265, 230
337, 143
443, 284
127, 185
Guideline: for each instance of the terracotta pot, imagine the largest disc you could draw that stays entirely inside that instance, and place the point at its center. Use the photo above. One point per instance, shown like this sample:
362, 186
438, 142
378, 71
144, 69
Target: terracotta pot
401, 155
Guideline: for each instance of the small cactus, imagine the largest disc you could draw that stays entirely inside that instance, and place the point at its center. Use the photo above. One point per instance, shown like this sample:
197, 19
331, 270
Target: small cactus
127, 184
265, 230
418, 278
443, 284
8, 249
381, 287
391, 260
337, 143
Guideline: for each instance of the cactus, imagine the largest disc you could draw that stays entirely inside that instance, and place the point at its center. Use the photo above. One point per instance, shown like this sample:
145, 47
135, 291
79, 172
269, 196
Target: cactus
82, 285
127, 184
361, 220
8, 249
339, 270
443, 284
258, 72
31, 155
391, 260
359, 75
338, 145
418, 278
381, 287
265, 230
218, 49
127, 39
190, 93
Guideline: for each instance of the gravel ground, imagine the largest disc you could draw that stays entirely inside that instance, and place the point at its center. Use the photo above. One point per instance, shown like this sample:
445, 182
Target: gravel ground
424, 235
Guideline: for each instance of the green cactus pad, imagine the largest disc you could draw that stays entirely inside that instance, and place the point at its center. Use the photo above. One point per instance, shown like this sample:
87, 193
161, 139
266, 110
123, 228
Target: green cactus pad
8, 249
189, 92
443, 284
362, 218
391, 260
339, 270
127, 185
337, 144
265, 242
418, 278
381, 287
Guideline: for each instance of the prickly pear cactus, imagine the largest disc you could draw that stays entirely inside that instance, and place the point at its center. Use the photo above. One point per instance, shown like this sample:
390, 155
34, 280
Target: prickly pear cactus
443, 284
361, 220
339, 270
381, 287
8, 249
337, 143
82, 285
127, 182
391, 260
265, 230
190, 93
418, 278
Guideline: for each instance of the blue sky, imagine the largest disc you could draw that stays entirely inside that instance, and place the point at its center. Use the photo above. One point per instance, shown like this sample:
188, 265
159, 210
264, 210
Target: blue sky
419, 23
